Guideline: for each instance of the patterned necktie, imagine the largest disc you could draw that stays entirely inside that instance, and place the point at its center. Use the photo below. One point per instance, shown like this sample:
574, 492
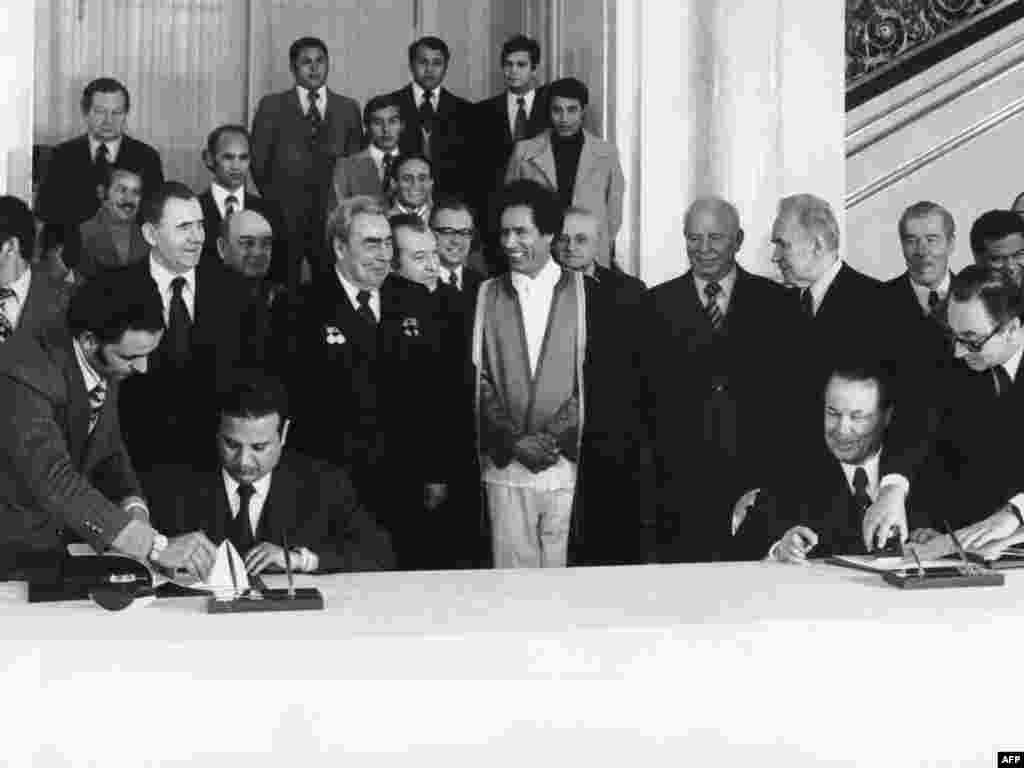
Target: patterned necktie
230, 205
97, 397
714, 312
389, 160
427, 113
179, 325
807, 303
241, 534
365, 311
1003, 380
860, 489
519, 129
6, 326
313, 115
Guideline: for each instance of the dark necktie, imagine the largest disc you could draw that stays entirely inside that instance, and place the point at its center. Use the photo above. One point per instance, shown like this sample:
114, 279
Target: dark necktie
241, 534
807, 303
97, 397
427, 113
860, 489
230, 205
313, 115
179, 325
714, 312
933, 301
365, 311
6, 326
519, 129
453, 280
101, 163
389, 160
1003, 380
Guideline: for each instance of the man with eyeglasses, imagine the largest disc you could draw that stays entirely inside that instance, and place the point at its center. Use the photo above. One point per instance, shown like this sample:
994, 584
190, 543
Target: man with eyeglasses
972, 479
997, 239
361, 345
453, 225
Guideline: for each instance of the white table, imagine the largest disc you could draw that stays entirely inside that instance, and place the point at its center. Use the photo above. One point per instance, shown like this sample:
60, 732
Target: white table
699, 665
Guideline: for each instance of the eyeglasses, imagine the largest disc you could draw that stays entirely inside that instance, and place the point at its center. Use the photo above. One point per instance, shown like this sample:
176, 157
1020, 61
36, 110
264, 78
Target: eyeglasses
974, 345
449, 232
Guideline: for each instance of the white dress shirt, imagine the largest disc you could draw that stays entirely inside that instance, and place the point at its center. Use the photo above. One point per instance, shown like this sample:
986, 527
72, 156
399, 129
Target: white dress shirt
89, 375
321, 102
512, 101
446, 273
378, 158
922, 291
820, 287
870, 467
352, 290
422, 211
417, 96
14, 305
164, 277
113, 148
727, 284
535, 296
220, 197
306, 560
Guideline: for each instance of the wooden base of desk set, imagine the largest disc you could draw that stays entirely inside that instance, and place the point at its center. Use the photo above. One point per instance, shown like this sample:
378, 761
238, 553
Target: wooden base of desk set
913, 581
304, 599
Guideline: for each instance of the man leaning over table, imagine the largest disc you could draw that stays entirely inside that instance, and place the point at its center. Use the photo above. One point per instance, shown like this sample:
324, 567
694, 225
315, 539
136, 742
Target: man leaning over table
64, 472
816, 507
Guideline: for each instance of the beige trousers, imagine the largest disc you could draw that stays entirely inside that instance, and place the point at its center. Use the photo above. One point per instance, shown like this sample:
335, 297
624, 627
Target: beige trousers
529, 527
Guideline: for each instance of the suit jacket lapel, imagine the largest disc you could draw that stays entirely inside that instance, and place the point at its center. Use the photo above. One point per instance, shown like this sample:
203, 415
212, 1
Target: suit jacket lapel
78, 408
588, 160
35, 304
281, 500
346, 318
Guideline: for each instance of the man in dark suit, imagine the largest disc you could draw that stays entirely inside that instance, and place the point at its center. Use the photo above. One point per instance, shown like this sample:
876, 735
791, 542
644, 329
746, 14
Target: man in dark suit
368, 346
262, 496
713, 334
297, 137
521, 112
577, 249
77, 169
227, 157
212, 326
845, 314
112, 238
452, 222
972, 479
438, 124
31, 301
815, 506
369, 172
65, 472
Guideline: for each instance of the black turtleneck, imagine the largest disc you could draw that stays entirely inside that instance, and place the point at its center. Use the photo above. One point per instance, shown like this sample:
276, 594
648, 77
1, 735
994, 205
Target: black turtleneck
567, 159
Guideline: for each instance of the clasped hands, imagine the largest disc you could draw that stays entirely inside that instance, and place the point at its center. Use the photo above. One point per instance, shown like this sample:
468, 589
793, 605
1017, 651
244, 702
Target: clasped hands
537, 452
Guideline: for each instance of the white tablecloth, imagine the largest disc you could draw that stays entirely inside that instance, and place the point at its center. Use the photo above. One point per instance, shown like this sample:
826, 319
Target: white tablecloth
699, 665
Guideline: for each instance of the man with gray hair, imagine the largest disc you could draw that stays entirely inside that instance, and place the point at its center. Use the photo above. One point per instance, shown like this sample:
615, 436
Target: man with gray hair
367, 361
845, 314
713, 334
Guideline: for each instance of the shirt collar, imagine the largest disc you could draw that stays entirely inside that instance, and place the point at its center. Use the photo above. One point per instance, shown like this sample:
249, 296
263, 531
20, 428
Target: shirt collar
417, 95
922, 291
321, 103
89, 374
21, 285
164, 276
113, 147
423, 211
352, 290
261, 486
446, 271
870, 465
220, 196
821, 285
513, 100
544, 280
726, 283
1013, 364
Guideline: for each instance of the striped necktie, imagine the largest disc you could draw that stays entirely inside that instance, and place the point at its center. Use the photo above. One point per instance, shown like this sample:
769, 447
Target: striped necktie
6, 326
714, 312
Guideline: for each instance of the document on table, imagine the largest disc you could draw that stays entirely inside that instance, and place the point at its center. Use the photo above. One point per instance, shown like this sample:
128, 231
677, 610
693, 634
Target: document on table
218, 580
885, 564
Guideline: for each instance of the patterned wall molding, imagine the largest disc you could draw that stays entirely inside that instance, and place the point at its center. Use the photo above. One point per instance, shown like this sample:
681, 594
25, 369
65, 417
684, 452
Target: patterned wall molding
889, 41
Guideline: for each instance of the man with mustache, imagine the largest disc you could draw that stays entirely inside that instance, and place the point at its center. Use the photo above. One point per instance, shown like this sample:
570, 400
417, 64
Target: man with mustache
112, 238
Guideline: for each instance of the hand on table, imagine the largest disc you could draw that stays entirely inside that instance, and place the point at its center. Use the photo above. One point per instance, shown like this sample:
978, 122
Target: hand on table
190, 552
265, 555
795, 544
994, 550
889, 511
923, 535
993, 528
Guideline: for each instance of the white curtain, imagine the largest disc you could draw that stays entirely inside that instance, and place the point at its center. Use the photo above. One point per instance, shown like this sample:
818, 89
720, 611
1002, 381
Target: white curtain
729, 97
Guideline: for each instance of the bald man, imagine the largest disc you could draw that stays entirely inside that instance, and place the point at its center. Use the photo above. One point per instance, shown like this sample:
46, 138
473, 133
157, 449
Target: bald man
717, 338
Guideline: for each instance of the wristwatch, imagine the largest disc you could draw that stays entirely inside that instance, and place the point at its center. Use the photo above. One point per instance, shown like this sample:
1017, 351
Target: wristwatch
159, 545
